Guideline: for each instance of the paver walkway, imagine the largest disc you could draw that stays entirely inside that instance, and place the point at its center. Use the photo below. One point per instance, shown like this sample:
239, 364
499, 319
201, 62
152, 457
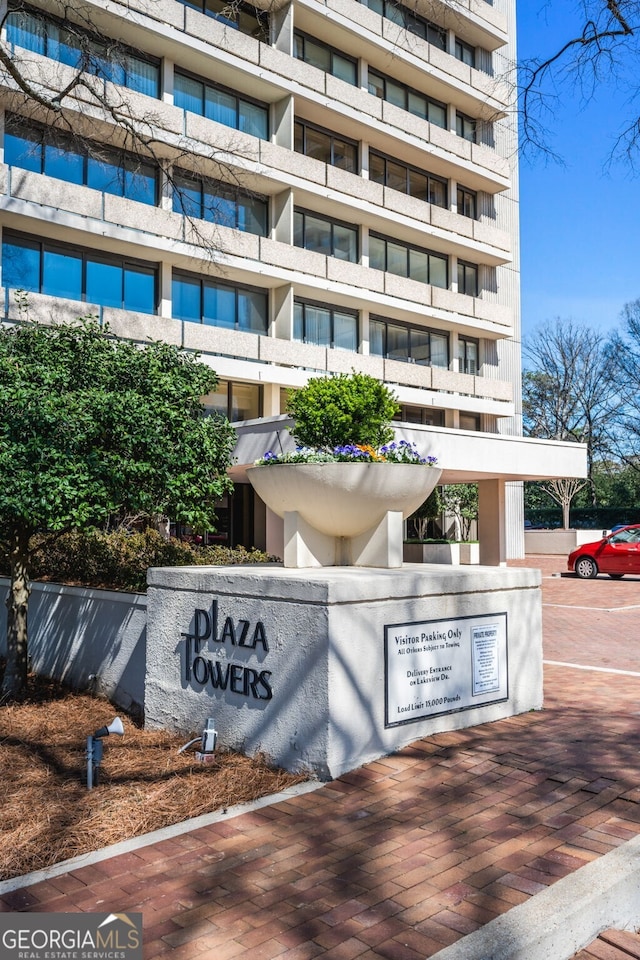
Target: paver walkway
408, 854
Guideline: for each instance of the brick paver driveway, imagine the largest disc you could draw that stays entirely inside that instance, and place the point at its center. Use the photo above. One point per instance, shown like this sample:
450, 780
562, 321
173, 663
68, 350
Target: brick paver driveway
408, 854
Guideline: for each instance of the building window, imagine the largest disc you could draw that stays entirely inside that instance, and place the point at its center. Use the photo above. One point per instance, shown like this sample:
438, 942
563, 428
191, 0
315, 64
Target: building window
240, 16
235, 401
467, 278
325, 146
469, 421
60, 270
466, 127
330, 237
219, 203
424, 415
44, 150
468, 355
67, 43
411, 21
467, 203
325, 326
395, 341
406, 179
408, 261
326, 58
222, 105
465, 52
228, 305
407, 99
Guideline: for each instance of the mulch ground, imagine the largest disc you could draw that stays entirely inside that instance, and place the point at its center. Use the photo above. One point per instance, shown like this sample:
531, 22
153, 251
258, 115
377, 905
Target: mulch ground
48, 815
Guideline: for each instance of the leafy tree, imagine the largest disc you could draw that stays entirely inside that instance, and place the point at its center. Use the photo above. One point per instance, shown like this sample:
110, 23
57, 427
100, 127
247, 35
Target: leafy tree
429, 510
460, 500
347, 409
92, 428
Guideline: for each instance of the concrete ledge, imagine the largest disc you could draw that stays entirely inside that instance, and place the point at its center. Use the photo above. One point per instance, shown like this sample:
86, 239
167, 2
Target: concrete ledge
565, 917
560, 542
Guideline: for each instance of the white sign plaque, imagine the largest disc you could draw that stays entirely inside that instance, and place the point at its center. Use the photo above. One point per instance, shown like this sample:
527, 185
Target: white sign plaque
442, 666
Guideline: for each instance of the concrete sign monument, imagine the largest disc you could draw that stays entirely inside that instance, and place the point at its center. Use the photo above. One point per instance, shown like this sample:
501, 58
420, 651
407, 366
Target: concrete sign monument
305, 664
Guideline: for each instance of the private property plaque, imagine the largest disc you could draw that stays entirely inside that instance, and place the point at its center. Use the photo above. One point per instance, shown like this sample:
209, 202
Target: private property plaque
443, 666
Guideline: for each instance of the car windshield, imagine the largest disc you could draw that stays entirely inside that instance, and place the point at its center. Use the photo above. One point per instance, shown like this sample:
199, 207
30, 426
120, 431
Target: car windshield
632, 535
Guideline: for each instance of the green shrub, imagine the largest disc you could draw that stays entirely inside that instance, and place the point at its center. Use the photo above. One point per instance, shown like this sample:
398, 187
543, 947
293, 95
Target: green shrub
119, 560
348, 409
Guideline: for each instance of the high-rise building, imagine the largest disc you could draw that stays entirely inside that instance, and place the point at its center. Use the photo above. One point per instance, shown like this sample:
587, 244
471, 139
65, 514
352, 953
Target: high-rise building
293, 189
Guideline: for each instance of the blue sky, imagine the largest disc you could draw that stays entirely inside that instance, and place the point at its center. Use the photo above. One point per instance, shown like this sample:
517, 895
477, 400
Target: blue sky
579, 221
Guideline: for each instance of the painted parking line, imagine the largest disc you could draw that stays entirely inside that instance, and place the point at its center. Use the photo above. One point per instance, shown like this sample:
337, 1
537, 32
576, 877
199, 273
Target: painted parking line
575, 606
580, 666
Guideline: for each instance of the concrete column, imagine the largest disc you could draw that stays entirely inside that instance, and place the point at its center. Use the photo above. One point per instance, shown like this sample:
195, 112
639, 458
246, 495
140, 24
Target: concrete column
167, 81
271, 400
274, 533
492, 523
281, 22
282, 305
364, 160
282, 116
453, 346
165, 306
282, 216
364, 332
363, 74
364, 246
451, 42
451, 118
166, 190
453, 195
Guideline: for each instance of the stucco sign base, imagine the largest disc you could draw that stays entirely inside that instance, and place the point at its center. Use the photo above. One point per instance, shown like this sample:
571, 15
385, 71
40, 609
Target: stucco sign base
327, 669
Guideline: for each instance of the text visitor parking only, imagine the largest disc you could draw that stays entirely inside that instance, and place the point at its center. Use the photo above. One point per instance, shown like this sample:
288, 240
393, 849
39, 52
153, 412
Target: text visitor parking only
441, 666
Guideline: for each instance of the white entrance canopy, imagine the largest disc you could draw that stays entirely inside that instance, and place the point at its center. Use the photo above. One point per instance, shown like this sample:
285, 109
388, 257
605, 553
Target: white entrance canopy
488, 459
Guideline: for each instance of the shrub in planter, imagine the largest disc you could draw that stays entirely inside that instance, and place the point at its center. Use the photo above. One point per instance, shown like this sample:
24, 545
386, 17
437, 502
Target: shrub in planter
349, 409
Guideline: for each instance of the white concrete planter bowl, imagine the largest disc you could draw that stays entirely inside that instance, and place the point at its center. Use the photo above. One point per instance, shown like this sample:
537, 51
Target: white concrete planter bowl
343, 499
343, 514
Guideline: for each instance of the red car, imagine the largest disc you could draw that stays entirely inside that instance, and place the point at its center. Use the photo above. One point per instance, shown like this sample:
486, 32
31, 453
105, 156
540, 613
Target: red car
617, 554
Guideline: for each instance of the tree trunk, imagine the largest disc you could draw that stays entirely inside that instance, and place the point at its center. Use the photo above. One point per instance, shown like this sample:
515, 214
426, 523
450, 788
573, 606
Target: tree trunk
14, 685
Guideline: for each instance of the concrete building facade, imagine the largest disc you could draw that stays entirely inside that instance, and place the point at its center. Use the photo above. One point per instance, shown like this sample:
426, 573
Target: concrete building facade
326, 186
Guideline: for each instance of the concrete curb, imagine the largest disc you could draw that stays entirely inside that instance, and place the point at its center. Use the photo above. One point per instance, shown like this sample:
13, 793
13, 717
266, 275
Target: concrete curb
147, 839
564, 918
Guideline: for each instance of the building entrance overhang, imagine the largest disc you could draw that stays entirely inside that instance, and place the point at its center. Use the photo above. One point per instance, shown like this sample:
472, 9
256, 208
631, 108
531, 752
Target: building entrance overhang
465, 456
488, 459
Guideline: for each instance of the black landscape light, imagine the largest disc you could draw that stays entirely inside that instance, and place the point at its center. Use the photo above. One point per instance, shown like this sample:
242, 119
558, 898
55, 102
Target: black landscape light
94, 749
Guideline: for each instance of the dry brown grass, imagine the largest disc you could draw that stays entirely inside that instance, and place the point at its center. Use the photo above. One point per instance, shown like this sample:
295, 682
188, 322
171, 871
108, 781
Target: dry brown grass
48, 815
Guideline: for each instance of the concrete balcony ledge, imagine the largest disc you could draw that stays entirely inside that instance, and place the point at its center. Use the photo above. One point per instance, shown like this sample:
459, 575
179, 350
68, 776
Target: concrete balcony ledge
38, 188
220, 35
292, 353
408, 374
288, 257
210, 339
493, 389
252, 347
47, 310
142, 326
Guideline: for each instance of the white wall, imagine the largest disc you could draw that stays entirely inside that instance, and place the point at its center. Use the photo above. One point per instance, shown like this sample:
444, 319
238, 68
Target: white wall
76, 633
